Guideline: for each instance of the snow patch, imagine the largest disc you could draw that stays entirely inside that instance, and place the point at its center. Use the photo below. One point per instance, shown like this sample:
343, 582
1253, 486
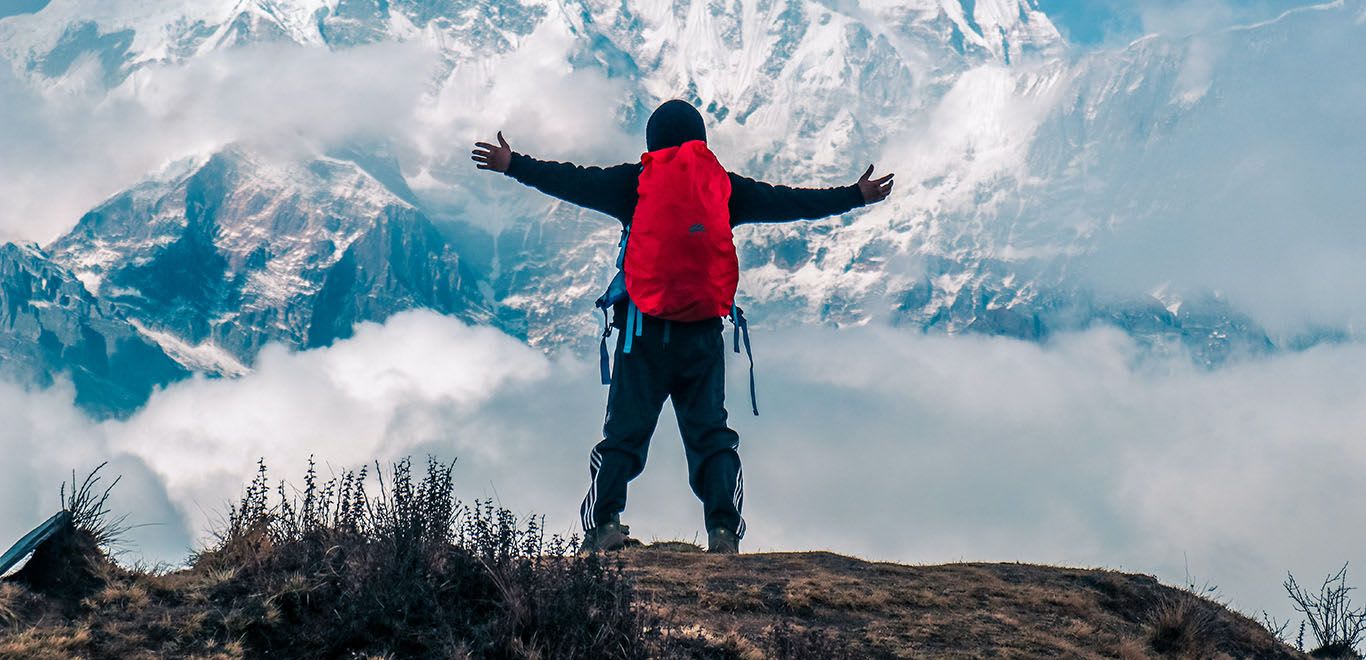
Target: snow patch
91, 280
1169, 298
206, 358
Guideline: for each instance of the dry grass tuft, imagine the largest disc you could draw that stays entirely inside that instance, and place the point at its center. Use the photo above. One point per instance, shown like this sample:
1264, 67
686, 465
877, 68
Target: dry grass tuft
788, 641
38, 643
1132, 649
10, 594
675, 545
1182, 627
805, 594
124, 594
89, 509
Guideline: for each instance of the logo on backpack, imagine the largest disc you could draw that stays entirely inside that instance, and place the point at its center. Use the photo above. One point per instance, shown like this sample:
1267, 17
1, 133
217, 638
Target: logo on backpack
697, 228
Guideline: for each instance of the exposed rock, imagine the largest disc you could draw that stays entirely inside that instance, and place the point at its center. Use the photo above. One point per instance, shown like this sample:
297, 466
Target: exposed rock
52, 327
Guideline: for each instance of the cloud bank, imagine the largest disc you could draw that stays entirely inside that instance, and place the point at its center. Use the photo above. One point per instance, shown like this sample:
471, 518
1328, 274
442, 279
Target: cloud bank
1245, 179
70, 145
872, 442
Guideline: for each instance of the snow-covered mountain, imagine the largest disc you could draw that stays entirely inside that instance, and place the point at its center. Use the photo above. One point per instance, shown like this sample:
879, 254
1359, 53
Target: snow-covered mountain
233, 252
1014, 155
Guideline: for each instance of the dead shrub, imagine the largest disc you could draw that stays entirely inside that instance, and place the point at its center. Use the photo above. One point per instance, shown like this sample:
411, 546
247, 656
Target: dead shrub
1338, 627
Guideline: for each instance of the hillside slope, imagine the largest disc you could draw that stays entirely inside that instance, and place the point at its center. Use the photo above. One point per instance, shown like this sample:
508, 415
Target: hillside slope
784, 605
953, 610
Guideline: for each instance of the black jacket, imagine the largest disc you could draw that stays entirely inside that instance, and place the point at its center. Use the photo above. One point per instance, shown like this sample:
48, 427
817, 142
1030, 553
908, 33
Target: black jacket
612, 190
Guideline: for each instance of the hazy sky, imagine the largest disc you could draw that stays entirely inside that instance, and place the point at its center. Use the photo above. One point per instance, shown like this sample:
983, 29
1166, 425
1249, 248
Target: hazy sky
13, 7
1114, 22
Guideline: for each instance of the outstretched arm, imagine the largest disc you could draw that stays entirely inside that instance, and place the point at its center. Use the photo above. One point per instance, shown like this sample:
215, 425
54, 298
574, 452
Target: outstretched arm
610, 190
756, 201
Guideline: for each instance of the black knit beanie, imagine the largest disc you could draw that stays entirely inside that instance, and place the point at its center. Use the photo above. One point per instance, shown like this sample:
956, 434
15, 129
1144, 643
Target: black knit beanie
672, 124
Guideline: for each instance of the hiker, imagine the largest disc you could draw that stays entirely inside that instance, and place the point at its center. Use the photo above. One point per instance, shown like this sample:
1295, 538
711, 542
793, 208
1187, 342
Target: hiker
670, 344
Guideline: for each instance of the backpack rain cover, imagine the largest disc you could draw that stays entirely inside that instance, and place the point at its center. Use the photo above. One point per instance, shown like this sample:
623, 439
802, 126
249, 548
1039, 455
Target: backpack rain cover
680, 261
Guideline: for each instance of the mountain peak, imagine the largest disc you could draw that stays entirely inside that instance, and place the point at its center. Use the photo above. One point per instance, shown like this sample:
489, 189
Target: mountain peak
247, 204
215, 256
1004, 28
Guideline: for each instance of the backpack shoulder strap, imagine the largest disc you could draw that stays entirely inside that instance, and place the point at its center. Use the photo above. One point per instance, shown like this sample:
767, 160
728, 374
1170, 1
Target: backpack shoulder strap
616, 292
604, 362
737, 318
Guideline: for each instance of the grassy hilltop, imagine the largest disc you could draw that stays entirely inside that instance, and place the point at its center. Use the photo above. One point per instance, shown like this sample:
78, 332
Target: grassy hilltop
411, 572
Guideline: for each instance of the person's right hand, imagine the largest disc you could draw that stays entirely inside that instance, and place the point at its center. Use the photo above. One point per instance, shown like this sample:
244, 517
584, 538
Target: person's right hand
490, 157
874, 190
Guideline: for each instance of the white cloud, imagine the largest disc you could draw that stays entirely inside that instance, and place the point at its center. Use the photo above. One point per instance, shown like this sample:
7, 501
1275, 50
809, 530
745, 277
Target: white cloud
1078, 452
68, 148
376, 396
1187, 17
545, 107
873, 442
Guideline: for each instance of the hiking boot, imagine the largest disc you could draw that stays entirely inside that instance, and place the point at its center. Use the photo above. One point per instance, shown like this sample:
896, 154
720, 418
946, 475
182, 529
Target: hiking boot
607, 537
723, 542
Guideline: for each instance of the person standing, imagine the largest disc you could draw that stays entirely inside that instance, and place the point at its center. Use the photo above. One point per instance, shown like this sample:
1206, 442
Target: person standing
680, 273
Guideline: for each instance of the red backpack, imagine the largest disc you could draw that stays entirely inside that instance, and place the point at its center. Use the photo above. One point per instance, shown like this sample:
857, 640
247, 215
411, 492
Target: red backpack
681, 265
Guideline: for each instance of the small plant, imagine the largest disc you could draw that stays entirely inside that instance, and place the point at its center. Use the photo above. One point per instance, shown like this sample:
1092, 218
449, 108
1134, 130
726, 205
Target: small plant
89, 510
9, 610
1278, 629
332, 570
73, 561
1205, 589
1337, 626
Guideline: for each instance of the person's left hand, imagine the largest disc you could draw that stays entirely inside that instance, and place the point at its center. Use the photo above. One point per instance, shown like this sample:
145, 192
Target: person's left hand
874, 190
490, 157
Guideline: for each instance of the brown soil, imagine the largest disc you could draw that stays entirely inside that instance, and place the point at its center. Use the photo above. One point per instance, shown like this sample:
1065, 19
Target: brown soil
781, 605
880, 610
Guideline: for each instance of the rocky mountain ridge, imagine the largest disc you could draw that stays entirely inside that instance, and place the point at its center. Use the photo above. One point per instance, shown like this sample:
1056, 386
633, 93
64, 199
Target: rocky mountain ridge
51, 327
237, 251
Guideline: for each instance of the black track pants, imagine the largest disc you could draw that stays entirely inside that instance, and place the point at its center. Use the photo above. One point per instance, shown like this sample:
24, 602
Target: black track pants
686, 361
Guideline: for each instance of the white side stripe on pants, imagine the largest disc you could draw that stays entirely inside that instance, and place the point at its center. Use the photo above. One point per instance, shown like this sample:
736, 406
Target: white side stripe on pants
739, 498
595, 466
